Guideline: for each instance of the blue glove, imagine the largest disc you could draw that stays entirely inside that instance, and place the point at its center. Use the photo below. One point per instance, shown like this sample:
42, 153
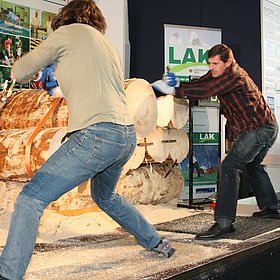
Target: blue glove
171, 79
166, 84
48, 79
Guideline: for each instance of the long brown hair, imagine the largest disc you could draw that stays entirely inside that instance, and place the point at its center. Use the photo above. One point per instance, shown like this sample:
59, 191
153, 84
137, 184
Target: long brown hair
80, 11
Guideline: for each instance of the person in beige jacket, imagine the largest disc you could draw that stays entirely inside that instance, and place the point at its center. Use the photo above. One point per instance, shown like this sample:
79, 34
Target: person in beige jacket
101, 135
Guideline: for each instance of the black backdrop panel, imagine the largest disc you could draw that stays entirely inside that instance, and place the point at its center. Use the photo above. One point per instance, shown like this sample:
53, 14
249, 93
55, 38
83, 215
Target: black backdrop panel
240, 24
238, 19
146, 32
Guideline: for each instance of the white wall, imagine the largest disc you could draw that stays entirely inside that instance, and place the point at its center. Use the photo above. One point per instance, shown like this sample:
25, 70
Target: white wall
116, 15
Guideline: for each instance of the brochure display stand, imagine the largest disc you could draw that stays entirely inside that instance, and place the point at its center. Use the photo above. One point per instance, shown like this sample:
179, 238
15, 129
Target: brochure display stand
201, 170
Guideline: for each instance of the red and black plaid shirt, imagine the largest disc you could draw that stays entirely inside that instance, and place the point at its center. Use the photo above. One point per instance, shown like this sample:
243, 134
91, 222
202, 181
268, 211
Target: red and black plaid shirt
241, 102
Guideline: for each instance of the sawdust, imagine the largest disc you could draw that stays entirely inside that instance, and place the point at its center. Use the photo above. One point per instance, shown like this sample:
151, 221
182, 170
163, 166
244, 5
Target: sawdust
54, 225
120, 257
92, 246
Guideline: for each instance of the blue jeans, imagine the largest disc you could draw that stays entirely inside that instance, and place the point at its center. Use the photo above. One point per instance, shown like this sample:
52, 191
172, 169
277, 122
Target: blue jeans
247, 153
98, 152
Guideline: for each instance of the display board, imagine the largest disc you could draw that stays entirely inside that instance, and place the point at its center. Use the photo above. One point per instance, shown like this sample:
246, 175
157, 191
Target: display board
186, 49
22, 28
205, 153
24, 24
270, 22
186, 54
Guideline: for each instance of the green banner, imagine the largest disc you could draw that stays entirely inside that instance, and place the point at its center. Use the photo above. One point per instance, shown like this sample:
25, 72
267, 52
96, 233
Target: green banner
205, 138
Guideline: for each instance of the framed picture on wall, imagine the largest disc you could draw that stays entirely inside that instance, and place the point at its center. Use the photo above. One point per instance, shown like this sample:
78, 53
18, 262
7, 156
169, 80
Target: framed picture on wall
59, 2
14, 19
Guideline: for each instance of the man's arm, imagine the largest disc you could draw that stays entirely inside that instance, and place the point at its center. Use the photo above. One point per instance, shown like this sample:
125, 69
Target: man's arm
207, 86
197, 89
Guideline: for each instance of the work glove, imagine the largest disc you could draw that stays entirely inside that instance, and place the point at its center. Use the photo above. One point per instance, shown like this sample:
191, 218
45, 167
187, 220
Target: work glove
166, 84
171, 79
55, 91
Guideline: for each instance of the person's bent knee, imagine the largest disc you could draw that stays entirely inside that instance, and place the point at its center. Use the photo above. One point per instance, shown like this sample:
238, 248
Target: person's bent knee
231, 164
26, 201
106, 203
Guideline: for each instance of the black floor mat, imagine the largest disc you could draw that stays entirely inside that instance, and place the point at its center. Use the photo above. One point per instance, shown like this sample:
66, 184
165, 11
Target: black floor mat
246, 227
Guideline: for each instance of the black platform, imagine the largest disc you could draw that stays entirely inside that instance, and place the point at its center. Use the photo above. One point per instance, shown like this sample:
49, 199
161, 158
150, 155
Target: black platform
255, 249
246, 227
259, 262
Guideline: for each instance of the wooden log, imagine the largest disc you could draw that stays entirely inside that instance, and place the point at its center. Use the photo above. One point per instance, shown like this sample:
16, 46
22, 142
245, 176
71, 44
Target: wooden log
168, 142
172, 112
142, 106
84, 188
13, 146
9, 192
148, 184
71, 203
128, 81
165, 105
178, 149
26, 108
180, 114
159, 148
137, 157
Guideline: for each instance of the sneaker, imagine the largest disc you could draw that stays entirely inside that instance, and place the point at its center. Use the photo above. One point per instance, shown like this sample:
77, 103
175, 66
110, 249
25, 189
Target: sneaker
165, 248
267, 213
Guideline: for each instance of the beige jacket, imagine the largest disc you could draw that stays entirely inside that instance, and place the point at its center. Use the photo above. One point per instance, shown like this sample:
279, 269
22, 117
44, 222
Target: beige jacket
88, 70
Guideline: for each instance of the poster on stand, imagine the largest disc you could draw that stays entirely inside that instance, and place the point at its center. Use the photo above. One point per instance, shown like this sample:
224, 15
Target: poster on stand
186, 54
186, 49
205, 153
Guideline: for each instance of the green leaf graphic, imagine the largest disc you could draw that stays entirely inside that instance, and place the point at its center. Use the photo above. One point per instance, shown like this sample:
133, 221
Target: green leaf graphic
183, 66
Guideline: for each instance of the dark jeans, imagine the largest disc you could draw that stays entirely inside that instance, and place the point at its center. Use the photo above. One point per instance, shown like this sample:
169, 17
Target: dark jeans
247, 153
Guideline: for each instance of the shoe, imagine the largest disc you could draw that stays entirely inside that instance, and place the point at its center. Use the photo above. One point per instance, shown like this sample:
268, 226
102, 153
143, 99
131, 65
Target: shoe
165, 248
267, 213
215, 232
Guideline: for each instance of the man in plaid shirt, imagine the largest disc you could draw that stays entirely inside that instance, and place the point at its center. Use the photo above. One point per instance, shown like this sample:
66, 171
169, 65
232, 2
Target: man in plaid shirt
253, 128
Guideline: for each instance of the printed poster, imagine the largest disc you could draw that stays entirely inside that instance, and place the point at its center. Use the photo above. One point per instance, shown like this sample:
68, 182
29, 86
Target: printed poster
205, 153
21, 29
186, 54
186, 49
58, 2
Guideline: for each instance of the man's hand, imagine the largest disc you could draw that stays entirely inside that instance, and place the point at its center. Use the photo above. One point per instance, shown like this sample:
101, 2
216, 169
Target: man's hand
166, 84
171, 79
